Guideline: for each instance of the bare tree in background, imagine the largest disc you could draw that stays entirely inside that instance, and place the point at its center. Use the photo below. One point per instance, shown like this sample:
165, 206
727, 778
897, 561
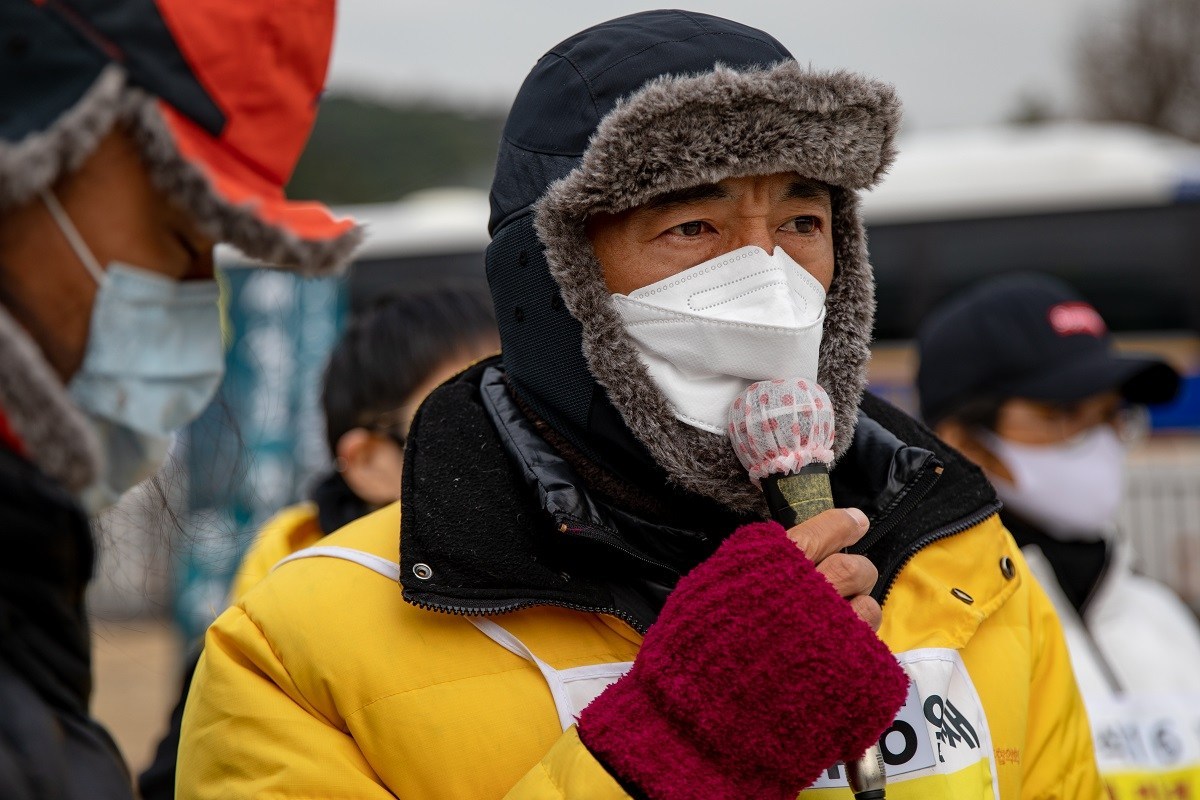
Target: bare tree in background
1143, 66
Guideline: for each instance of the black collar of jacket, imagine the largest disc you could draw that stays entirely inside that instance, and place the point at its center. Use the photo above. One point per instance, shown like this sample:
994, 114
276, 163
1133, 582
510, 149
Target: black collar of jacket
913, 487
1080, 566
494, 519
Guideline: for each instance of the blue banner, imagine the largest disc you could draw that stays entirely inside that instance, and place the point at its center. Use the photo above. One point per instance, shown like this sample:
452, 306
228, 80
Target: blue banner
261, 443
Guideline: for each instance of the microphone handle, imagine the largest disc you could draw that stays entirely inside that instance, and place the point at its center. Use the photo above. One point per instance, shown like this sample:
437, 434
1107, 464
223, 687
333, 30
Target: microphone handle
792, 499
798, 496
867, 776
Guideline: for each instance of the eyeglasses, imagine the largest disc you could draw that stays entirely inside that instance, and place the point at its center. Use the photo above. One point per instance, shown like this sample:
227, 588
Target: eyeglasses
398, 438
1040, 422
391, 425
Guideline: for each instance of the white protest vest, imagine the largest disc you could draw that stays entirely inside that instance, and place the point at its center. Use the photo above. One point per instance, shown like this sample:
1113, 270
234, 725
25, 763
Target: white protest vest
1147, 746
1147, 743
572, 689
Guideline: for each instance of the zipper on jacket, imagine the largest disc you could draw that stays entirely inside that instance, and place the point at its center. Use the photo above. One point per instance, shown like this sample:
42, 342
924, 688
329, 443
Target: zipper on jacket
518, 605
964, 524
564, 524
607, 538
917, 489
591, 532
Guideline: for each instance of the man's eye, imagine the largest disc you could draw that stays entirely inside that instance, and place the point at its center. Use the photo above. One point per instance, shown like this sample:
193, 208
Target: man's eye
694, 228
802, 224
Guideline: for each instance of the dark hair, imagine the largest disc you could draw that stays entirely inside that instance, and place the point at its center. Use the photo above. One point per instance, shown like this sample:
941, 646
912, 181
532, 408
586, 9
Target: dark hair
390, 349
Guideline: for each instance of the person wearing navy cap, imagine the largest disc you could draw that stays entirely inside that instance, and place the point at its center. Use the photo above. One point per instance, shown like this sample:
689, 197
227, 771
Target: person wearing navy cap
1021, 375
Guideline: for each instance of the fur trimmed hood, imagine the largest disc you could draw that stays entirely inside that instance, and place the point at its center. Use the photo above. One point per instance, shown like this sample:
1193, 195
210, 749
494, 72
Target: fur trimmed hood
56, 435
219, 127
684, 128
36, 162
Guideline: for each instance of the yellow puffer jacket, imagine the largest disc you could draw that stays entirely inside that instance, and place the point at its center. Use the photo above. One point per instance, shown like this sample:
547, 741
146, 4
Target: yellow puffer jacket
321, 682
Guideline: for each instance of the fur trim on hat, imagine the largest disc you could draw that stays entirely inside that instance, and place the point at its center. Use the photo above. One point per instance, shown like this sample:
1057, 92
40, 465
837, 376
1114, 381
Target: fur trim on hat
32, 165
56, 435
678, 132
220, 220
38, 161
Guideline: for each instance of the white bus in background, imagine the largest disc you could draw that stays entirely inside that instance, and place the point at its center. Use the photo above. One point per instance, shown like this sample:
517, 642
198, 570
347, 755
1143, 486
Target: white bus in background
430, 234
1112, 210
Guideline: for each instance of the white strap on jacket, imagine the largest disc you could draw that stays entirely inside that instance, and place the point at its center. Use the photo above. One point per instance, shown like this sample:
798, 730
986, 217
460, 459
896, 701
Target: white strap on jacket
386, 568
558, 689
571, 689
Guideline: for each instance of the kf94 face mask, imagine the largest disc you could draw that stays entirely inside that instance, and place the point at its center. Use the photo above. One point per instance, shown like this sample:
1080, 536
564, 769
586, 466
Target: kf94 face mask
707, 333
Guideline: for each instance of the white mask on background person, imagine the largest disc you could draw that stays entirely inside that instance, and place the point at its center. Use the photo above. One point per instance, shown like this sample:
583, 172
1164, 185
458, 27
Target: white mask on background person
152, 363
707, 333
1071, 490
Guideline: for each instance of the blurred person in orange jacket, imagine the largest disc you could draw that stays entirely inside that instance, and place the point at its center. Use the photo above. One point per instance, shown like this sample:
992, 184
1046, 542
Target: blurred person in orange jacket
134, 136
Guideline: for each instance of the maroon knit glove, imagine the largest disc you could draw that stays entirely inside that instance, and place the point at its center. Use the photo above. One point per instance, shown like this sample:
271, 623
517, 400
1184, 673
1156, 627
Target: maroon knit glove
756, 677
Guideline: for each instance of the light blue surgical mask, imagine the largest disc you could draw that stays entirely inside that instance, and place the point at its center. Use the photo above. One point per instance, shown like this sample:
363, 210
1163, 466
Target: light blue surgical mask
153, 362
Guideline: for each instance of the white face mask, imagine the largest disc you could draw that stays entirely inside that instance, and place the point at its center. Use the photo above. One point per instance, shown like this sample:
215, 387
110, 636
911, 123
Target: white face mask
710, 331
1070, 490
152, 363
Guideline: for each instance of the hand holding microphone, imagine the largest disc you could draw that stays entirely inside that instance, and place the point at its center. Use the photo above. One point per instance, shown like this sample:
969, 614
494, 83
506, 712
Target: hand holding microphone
756, 678
783, 432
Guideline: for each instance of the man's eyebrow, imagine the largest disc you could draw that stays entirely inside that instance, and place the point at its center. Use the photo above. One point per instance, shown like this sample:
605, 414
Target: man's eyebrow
682, 197
806, 190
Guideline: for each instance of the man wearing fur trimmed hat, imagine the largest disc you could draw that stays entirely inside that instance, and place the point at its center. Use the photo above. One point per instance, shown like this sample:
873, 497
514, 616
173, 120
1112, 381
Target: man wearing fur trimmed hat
131, 141
591, 602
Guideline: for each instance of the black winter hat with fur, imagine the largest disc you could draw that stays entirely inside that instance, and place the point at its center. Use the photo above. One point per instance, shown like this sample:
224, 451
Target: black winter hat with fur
612, 117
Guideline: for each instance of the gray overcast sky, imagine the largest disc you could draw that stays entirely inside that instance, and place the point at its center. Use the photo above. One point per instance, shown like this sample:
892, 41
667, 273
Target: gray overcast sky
954, 62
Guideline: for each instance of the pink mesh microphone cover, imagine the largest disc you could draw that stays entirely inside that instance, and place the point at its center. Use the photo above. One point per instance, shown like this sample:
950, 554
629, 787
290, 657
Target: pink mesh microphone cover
780, 426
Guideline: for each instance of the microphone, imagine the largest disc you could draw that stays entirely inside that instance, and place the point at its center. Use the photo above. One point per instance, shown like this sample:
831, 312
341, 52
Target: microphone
783, 433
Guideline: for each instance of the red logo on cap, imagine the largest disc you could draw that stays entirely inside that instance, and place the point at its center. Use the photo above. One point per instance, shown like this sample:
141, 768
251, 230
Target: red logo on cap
1069, 319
